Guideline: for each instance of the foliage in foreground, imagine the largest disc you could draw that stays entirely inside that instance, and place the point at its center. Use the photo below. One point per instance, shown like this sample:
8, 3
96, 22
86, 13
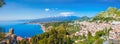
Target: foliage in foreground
54, 36
1, 3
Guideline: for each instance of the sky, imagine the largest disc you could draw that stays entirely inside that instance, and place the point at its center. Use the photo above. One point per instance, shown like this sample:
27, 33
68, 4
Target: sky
34, 9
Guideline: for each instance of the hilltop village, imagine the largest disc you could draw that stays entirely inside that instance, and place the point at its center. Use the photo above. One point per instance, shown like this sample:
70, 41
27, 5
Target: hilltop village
93, 27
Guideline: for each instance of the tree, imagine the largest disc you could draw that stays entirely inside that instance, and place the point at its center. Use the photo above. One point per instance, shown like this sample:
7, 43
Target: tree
2, 3
99, 34
98, 41
57, 35
107, 32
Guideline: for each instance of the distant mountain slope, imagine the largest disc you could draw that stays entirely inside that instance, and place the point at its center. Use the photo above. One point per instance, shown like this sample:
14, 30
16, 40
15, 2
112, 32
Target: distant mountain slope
84, 18
109, 15
56, 19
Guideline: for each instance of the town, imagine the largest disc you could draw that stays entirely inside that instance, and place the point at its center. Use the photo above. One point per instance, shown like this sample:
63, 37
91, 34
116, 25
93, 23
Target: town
93, 27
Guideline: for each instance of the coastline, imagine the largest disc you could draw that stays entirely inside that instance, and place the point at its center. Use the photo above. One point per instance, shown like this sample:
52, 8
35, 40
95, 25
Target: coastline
41, 25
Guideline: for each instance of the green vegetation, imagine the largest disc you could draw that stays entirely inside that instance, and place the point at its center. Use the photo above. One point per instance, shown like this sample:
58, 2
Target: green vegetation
84, 18
24, 41
56, 35
70, 26
109, 15
59, 33
103, 19
2, 3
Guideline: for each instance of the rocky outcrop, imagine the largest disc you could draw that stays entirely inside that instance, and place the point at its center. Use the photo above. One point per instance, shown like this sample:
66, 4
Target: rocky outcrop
10, 38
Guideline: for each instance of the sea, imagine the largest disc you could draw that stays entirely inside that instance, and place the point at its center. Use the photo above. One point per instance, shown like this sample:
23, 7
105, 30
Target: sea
21, 29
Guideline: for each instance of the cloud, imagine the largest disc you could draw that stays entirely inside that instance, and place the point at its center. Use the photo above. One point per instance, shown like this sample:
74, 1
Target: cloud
50, 9
47, 9
66, 13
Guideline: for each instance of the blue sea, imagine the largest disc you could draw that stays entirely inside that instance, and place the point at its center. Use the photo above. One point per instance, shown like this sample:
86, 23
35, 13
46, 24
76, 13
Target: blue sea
21, 29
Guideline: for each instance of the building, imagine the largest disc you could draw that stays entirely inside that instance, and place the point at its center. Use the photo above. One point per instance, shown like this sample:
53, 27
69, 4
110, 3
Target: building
10, 38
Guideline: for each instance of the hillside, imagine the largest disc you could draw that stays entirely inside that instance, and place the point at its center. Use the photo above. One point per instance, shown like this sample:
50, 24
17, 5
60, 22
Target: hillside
84, 18
109, 15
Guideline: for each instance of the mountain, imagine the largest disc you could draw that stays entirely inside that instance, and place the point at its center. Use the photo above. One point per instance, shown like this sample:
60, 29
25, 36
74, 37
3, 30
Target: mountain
109, 15
84, 18
56, 19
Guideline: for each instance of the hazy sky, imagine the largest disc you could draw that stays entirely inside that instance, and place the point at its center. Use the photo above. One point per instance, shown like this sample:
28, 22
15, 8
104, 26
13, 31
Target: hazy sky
33, 9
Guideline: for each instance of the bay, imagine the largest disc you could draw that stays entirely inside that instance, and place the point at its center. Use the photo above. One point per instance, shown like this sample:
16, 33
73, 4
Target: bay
21, 29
